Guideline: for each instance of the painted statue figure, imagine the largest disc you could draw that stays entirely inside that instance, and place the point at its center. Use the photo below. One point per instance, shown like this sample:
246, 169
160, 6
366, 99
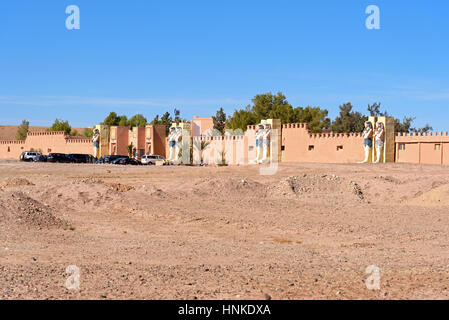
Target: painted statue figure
172, 143
367, 140
259, 143
379, 136
96, 142
178, 142
266, 144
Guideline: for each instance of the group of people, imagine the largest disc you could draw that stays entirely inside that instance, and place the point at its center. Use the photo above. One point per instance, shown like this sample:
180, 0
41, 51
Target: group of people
379, 136
263, 138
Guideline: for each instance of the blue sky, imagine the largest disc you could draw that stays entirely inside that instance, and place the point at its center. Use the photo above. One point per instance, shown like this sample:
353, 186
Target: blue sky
143, 56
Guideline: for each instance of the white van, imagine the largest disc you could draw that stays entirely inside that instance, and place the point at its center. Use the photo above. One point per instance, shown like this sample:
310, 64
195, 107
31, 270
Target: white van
151, 159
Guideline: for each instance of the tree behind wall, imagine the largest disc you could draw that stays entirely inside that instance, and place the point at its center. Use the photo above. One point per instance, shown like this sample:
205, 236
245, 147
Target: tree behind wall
60, 125
111, 120
220, 121
166, 120
88, 133
22, 130
399, 126
269, 106
348, 120
137, 120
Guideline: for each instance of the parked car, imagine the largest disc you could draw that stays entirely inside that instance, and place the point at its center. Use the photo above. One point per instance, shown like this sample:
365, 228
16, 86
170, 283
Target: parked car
40, 158
58, 157
126, 161
152, 158
81, 158
29, 155
111, 158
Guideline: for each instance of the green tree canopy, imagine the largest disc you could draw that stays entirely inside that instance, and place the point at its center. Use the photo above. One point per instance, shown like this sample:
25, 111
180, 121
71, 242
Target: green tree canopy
137, 120
122, 121
220, 120
348, 120
111, 119
399, 126
269, 106
114, 120
60, 125
241, 119
165, 120
22, 130
89, 132
315, 117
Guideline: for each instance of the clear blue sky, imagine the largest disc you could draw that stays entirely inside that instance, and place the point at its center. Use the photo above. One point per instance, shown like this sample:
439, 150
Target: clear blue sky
144, 56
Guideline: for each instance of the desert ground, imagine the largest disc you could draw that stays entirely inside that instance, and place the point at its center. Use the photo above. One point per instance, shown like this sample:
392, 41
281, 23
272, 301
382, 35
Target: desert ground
307, 232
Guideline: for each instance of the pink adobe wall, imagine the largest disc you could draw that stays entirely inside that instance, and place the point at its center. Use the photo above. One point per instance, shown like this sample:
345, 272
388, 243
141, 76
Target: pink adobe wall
137, 138
45, 142
201, 125
118, 140
327, 147
425, 148
11, 149
159, 140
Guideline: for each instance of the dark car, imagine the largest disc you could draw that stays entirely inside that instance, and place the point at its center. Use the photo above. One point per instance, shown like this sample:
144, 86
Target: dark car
126, 161
40, 158
111, 158
58, 157
81, 158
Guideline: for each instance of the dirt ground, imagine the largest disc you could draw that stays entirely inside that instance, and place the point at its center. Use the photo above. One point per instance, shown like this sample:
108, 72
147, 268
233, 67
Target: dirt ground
308, 232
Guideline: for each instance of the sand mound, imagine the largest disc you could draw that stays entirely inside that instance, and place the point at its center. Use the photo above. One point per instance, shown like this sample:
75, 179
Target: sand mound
227, 186
18, 208
15, 182
322, 186
120, 187
81, 196
437, 196
153, 191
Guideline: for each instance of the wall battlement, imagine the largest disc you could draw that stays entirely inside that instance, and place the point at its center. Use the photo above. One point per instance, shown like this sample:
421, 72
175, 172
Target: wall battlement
218, 138
12, 142
422, 134
46, 133
78, 140
335, 135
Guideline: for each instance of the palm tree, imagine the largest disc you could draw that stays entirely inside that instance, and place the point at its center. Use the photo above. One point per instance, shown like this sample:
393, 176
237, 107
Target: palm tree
201, 146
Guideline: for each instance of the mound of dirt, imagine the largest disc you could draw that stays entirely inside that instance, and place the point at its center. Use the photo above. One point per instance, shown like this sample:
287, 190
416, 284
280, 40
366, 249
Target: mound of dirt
18, 208
437, 196
81, 196
120, 187
153, 191
311, 186
228, 186
15, 182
